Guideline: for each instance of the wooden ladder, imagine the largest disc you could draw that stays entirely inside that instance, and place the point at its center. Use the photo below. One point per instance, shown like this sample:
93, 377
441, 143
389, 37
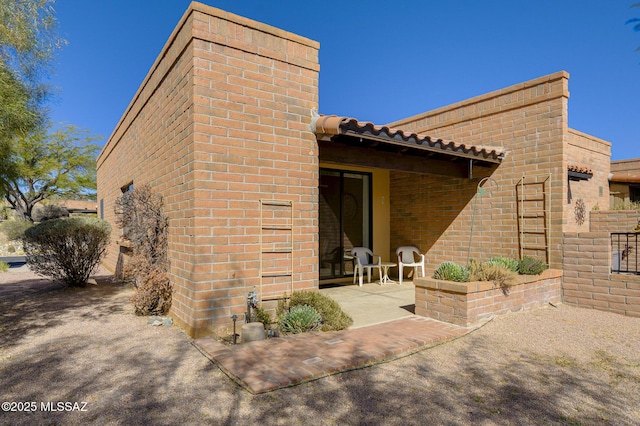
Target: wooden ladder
532, 201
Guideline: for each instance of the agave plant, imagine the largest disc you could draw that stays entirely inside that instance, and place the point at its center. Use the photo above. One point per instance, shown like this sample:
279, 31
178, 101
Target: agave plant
299, 319
451, 271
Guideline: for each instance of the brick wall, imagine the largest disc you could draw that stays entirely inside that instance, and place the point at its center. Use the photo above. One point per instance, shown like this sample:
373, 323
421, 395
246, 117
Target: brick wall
529, 121
614, 220
592, 153
222, 121
587, 280
469, 303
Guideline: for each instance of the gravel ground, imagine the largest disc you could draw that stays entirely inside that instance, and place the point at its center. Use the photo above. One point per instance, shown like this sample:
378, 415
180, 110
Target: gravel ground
559, 365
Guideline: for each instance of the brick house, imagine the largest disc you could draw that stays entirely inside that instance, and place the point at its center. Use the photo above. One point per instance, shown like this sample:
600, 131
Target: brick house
262, 193
625, 182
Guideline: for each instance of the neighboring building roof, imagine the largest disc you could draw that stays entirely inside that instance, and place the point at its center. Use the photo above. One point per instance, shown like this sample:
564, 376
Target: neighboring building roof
326, 127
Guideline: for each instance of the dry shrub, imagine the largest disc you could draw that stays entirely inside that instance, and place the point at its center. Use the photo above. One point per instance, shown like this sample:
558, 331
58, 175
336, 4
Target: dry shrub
499, 274
139, 213
153, 295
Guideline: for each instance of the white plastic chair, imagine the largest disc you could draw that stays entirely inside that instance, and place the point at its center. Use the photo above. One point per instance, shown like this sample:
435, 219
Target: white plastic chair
407, 258
364, 259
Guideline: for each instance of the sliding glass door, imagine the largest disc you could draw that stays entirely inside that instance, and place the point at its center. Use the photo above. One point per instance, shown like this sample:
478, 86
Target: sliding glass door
344, 219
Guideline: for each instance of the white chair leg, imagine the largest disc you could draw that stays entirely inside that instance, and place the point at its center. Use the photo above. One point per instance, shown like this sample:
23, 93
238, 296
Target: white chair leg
400, 273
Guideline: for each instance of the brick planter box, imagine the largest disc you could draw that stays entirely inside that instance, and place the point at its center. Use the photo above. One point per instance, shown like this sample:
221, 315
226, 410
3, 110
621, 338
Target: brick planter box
466, 304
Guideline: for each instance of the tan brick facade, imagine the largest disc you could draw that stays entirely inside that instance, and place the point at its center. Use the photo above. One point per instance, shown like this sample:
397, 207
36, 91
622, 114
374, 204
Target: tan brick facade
221, 121
529, 121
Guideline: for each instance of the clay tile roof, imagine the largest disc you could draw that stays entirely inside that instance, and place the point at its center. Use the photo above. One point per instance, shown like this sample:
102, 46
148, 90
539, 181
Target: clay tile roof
578, 169
331, 125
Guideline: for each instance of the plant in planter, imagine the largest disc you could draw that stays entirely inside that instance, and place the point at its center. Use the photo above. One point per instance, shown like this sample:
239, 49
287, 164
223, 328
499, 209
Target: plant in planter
531, 266
451, 271
494, 271
509, 263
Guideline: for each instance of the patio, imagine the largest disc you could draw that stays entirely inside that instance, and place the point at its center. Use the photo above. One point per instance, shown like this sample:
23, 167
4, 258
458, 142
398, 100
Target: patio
372, 303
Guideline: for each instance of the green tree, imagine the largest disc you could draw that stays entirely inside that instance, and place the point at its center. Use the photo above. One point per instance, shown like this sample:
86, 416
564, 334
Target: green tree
635, 22
43, 164
28, 40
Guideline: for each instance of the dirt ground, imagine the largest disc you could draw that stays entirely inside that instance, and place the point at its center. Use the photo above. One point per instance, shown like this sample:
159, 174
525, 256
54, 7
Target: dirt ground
85, 348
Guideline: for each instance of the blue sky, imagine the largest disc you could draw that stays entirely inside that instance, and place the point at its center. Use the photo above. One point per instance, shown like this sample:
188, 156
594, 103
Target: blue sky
380, 60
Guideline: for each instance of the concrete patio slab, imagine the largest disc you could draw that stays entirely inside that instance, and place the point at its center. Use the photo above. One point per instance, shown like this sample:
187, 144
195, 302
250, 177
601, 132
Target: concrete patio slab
374, 303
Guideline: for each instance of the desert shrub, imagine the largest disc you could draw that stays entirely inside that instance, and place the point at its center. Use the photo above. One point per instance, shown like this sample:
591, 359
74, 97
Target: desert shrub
495, 272
507, 262
451, 271
531, 266
140, 215
4, 266
49, 212
14, 229
299, 319
69, 249
261, 315
333, 316
153, 295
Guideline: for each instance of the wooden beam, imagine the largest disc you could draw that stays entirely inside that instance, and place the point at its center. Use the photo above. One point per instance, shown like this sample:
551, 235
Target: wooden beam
338, 153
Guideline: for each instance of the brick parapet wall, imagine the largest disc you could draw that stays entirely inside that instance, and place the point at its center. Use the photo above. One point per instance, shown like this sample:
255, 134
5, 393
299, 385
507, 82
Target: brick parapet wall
221, 122
528, 121
587, 280
467, 304
613, 220
631, 166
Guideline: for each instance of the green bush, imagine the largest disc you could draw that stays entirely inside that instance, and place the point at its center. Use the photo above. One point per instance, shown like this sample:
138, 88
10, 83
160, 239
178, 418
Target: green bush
4, 266
49, 212
69, 249
14, 229
531, 266
451, 271
333, 317
507, 262
299, 319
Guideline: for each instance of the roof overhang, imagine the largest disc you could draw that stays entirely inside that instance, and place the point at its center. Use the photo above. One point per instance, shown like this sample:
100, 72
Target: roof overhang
349, 131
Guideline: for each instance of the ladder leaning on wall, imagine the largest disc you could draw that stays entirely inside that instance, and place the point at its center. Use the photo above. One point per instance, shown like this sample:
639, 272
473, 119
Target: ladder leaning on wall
532, 204
276, 249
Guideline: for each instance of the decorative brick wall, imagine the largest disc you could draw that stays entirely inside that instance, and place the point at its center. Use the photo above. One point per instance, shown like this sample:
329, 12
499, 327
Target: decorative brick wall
595, 154
469, 303
529, 121
221, 121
